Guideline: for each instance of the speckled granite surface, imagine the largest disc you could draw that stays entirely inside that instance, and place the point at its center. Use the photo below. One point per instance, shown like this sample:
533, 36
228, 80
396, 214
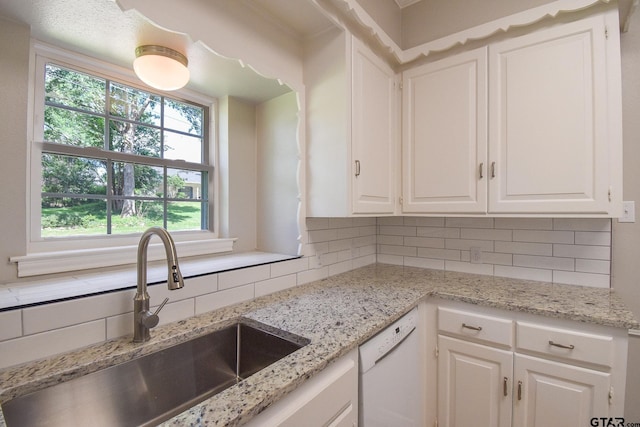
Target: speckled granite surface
336, 314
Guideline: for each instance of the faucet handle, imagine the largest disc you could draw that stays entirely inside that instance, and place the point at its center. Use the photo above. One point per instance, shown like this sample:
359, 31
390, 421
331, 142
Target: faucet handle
150, 320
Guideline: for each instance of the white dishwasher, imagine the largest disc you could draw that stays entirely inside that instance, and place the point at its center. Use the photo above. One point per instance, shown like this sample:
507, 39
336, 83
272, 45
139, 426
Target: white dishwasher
390, 380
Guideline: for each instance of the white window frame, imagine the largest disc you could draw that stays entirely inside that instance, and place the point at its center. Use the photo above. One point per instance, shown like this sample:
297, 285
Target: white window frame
55, 255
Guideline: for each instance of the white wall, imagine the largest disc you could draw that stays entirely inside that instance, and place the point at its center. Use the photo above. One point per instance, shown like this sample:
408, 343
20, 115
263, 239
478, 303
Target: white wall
277, 182
626, 237
238, 153
429, 20
14, 80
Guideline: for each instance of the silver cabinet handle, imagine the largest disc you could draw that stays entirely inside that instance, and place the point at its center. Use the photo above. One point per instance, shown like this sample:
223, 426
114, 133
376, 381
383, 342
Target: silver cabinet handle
493, 169
357, 167
473, 328
505, 391
519, 390
568, 347
481, 173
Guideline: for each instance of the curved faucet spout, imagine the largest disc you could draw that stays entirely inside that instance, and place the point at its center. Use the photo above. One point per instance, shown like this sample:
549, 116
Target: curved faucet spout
143, 319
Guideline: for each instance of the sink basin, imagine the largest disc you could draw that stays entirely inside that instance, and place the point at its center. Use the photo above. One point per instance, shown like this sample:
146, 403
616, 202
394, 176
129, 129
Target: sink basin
157, 386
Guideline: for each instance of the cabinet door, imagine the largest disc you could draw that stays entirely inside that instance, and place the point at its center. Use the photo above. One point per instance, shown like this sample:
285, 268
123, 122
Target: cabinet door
374, 132
550, 393
548, 114
444, 135
474, 384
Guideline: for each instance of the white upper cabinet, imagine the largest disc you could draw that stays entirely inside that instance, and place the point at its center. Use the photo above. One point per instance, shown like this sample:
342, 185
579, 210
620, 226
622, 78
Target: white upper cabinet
444, 144
352, 128
553, 125
374, 132
553, 110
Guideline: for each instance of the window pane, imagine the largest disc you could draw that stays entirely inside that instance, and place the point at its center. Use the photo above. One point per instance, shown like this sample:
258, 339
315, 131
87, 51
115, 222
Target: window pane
73, 128
65, 216
74, 89
137, 180
127, 137
73, 175
185, 215
147, 214
184, 184
134, 104
183, 147
183, 117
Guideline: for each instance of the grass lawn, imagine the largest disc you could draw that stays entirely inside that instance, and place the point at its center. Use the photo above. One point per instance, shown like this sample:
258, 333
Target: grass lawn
90, 219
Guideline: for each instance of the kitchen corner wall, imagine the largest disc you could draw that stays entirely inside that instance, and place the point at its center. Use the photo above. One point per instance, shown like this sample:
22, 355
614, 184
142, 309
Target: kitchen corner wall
571, 251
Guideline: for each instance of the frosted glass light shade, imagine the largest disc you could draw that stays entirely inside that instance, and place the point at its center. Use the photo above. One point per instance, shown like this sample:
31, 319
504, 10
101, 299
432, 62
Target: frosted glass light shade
161, 67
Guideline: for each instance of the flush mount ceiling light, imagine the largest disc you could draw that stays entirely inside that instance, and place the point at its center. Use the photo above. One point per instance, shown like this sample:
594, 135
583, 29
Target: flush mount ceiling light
161, 67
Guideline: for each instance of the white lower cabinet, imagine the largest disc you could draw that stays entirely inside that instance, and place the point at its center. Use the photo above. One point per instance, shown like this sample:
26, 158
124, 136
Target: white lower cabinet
328, 399
503, 369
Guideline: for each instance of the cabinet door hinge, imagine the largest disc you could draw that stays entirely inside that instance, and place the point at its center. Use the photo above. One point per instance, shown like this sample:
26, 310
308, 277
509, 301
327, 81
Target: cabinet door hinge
610, 193
399, 84
606, 32
435, 423
436, 352
611, 396
400, 200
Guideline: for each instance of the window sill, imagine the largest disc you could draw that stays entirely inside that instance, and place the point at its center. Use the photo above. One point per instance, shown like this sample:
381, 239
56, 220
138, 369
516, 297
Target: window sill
65, 261
27, 294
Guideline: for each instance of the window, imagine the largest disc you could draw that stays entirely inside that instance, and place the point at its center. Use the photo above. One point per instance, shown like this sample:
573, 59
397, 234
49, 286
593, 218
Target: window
109, 159
117, 159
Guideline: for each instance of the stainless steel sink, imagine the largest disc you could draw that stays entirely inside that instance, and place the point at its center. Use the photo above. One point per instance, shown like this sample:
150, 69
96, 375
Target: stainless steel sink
155, 387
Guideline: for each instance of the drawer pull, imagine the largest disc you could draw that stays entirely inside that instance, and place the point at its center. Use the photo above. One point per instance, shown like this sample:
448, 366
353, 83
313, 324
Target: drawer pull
473, 328
568, 347
519, 390
504, 386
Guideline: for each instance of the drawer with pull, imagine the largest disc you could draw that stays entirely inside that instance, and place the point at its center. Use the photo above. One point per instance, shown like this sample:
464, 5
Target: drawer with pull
480, 327
565, 343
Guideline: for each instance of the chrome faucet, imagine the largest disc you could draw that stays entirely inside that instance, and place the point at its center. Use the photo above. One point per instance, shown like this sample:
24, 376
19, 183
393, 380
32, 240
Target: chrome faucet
143, 319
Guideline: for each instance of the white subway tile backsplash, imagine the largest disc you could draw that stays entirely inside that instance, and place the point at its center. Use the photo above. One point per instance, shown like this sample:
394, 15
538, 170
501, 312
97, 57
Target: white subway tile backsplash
467, 267
524, 223
582, 224
317, 223
597, 238
465, 245
445, 233
33, 347
450, 254
318, 236
524, 248
390, 220
494, 258
289, 267
341, 267
312, 275
398, 230
540, 236
469, 222
230, 279
48, 317
583, 279
213, 301
424, 221
390, 240
11, 322
437, 264
340, 245
593, 266
362, 261
582, 251
277, 284
523, 273
486, 234
398, 250
390, 259
424, 242
544, 262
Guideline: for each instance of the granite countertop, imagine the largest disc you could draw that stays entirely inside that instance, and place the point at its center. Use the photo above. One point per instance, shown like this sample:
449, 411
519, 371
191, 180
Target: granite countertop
337, 314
